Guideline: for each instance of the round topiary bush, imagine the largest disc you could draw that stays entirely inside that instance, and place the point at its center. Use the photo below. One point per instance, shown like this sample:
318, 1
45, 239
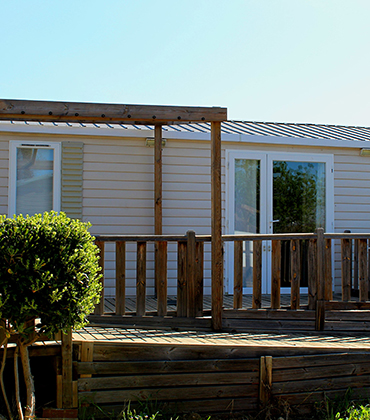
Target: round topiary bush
49, 271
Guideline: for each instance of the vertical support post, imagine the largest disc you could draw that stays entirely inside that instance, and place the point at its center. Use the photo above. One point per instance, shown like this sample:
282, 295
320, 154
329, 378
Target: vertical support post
191, 274
99, 308
295, 273
362, 260
320, 302
161, 270
216, 229
87, 355
257, 274
320, 264
141, 278
67, 384
312, 273
157, 197
265, 385
355, 264
346, 251
328, 271
120, 278
238, 274
275, 274
182, 293
199, 278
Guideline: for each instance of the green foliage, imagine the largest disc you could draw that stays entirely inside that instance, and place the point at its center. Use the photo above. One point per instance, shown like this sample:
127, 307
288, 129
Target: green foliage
48, 270
355, 413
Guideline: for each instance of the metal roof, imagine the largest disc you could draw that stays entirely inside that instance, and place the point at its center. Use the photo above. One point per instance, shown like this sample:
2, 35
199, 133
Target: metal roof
314, 131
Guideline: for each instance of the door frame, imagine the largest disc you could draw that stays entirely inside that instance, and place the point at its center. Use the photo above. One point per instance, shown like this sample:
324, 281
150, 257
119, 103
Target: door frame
266, 202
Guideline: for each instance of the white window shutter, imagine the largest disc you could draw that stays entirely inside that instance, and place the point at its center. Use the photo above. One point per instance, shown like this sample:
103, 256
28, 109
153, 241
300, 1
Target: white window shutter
72, 179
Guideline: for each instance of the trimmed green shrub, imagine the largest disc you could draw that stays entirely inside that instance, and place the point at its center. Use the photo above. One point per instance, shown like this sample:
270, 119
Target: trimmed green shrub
49, 271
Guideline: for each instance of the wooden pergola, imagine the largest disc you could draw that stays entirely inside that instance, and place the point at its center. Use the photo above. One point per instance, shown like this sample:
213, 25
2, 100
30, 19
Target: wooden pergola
50, 111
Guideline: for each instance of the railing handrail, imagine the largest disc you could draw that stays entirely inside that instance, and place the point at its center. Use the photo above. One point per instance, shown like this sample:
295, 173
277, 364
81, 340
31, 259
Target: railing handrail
229, 237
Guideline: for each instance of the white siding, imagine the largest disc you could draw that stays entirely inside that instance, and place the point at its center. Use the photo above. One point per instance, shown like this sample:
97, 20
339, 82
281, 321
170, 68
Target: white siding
118, 192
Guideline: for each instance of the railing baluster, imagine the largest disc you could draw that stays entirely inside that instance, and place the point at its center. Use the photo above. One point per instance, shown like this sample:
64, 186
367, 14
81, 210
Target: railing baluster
295, 273
363, 282
346, 249
99, 308
257, 274
328, 271
190, 274
238, 274
181, 279
120, 278
355, 264
199, 264
312, 273
275, 274
161, 270
141, 278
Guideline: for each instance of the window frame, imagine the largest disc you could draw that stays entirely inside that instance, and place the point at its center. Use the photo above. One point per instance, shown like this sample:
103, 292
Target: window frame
12, 185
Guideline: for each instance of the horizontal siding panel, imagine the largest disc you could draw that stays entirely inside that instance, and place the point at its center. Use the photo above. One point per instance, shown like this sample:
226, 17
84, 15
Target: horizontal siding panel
143, 203
358, 183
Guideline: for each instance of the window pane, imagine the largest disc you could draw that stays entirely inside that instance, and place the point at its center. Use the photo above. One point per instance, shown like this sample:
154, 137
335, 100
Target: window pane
34, 191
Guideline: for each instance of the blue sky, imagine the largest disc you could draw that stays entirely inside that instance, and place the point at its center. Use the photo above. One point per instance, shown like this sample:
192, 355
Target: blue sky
265, 60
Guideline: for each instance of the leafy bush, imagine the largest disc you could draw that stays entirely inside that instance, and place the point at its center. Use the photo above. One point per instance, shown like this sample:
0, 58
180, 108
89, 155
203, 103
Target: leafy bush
48, 270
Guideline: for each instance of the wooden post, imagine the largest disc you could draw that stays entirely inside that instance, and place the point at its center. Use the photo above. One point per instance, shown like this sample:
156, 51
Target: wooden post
320, 264
355, 265
295, 273
190, 274
265, 384
346, 251
161, 270
182, 293
320, 315
157, 198
141, 278
99, 308
328, 271
238, 274
257, 274
120, 278
320, 303
275, 274
199, 274
87, 355
312, 273
362, 260
67, 385
216, 228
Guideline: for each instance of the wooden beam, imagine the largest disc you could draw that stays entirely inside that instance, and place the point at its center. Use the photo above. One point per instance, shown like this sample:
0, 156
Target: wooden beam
157, 201
158, 180
21, 110
216, 229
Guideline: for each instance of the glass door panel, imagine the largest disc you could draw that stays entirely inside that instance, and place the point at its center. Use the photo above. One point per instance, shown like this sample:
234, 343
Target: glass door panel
298, 207
247, 209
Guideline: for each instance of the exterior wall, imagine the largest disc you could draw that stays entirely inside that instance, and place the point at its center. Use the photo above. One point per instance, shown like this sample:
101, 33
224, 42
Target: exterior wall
118, 191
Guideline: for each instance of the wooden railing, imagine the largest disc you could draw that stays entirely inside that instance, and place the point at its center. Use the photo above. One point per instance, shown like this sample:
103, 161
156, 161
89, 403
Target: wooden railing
319, 246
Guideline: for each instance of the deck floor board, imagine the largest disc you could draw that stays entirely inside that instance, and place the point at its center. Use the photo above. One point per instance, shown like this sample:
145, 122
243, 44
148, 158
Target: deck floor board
279, 339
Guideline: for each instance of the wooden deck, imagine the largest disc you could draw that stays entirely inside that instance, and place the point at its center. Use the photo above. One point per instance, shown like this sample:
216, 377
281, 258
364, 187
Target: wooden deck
210, 372
151, 303
289, 340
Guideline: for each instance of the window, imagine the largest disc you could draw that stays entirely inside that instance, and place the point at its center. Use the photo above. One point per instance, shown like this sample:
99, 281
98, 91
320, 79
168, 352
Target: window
34, 177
